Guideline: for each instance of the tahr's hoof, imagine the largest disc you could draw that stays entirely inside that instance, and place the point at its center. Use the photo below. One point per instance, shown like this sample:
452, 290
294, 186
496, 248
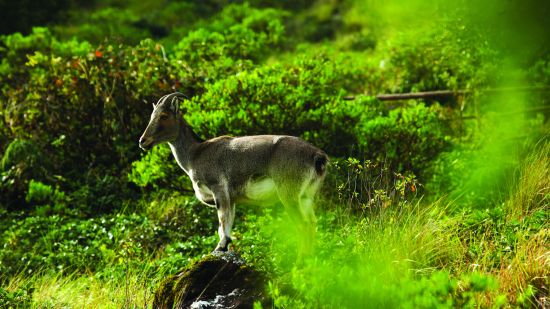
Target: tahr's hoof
221, 249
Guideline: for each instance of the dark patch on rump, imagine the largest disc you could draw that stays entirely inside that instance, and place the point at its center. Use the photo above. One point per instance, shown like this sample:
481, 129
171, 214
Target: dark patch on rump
320, 160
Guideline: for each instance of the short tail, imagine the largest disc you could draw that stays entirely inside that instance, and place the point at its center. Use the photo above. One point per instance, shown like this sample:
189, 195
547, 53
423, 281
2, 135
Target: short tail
320, 160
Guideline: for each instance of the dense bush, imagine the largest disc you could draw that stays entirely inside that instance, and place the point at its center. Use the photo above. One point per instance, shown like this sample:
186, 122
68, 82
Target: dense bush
407, 139
232, 42
84, 106
49, 87
47, 200
119, 25
303, 99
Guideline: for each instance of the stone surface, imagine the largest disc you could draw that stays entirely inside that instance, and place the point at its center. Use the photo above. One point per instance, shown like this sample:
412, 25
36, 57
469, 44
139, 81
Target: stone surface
219, 280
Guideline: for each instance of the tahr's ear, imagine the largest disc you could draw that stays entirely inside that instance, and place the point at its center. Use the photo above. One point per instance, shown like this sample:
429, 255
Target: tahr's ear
176, 97
174, 105
154, 105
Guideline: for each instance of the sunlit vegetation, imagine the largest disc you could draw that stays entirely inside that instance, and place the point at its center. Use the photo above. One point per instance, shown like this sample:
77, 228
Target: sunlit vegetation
434, 202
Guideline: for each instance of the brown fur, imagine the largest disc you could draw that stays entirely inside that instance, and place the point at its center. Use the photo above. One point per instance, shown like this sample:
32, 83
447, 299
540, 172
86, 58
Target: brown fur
225, 170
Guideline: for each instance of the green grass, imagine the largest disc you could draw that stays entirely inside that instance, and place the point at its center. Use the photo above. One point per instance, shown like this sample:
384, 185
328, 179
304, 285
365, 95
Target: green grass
411, 259
411, 255
416, 255
83, 291
401, 252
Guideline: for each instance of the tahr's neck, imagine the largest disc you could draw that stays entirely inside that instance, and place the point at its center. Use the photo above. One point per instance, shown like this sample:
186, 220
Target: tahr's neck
181, 147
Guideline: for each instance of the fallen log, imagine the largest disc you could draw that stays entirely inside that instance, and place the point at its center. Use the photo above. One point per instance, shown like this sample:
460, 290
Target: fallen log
451, 93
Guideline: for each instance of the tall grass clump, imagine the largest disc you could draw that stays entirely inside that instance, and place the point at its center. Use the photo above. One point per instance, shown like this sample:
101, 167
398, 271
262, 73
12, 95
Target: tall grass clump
531, 193
375, 260
525, 277
59, 290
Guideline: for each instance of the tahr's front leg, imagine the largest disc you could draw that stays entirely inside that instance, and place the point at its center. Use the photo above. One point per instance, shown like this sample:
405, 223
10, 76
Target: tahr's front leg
226, 216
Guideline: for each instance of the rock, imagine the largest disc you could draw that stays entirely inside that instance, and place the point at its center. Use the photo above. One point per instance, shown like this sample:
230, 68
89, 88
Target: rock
219, 280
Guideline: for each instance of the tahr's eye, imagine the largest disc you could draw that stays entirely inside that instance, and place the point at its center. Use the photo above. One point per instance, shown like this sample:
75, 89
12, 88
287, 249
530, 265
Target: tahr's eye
163, 117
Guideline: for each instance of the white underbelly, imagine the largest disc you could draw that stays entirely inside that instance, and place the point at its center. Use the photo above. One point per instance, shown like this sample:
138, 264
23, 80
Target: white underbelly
263, 190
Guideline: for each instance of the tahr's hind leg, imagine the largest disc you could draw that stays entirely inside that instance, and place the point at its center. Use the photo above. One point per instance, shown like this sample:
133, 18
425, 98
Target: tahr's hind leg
300, 210
309, 224
307, 212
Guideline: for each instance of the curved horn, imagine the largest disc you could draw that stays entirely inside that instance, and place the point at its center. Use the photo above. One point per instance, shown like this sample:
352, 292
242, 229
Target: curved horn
162, 99
173, 99
179, 95
171, 96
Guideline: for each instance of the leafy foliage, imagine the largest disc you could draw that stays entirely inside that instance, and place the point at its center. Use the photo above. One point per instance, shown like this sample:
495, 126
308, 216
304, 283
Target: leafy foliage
82, 208
408, 139
154, 170
292, 100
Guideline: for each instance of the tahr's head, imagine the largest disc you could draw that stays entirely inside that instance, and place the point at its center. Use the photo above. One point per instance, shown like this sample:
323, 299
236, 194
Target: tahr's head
163, 125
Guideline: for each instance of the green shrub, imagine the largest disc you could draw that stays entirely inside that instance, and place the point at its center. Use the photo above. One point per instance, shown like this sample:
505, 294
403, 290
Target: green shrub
24, 154
118, 24
407, 139
158, 169
365, 186
265, 22
104, 193
47, 200
50, 87
177, 229
303, 99
494, 238
233, 41
39, 193
440, 290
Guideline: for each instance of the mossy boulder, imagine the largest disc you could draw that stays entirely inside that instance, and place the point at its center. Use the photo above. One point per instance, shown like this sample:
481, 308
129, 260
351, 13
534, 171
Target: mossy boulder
219, 280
